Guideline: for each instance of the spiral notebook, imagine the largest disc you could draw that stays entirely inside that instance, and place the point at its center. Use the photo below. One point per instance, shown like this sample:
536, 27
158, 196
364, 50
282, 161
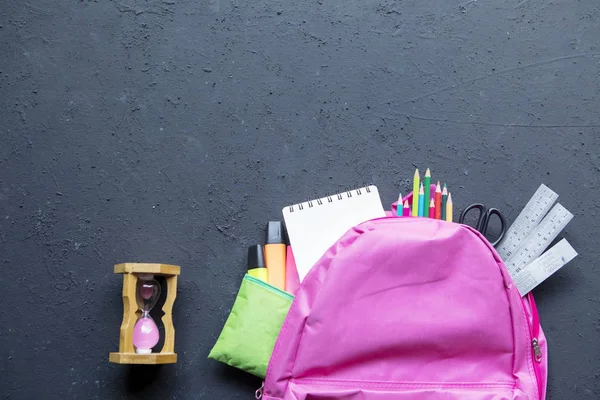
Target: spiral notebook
315, 225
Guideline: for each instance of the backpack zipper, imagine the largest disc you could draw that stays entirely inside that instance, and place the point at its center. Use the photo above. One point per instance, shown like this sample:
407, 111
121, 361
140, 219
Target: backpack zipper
534, 331
537, 352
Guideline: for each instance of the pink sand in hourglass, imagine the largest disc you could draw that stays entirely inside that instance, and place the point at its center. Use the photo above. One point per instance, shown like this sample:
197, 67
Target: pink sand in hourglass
145, 334
146, 291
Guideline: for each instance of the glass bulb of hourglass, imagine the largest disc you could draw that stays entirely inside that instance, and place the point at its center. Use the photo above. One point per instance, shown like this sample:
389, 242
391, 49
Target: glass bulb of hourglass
145, 331
147, 292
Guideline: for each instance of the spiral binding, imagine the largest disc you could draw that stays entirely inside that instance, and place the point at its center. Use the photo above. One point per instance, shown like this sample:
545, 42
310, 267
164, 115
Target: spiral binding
348, 193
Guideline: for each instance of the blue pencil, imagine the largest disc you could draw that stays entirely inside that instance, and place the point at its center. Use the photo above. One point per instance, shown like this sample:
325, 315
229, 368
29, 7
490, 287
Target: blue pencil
421, 201
399, 209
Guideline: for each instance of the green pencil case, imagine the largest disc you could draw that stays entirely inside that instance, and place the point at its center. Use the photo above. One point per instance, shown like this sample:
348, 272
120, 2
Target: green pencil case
248, 337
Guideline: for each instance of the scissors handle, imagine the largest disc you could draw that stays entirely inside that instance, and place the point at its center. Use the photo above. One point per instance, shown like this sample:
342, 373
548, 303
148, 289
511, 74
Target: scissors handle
488, 215
463, 214
484, 219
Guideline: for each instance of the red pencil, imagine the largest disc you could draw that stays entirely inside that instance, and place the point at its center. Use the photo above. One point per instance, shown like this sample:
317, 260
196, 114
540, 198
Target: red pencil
438, 201
432, 209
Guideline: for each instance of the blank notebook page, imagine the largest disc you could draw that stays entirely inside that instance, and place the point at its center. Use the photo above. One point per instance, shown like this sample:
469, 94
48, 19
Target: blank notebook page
315, 225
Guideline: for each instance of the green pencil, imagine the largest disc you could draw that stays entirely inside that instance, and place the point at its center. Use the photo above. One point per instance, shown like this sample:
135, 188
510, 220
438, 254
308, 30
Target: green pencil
427, 187
415, 194
444, 202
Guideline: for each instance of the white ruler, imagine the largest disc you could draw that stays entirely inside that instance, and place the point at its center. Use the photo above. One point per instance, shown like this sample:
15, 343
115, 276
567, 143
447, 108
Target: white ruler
548, 263
528, 219
538, 240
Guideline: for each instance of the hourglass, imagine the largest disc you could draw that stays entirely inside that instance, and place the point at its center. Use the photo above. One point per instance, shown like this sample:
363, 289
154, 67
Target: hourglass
139, 332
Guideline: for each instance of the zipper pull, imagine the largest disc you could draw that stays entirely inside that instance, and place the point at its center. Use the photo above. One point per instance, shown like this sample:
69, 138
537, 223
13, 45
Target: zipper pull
258, 394
537, 351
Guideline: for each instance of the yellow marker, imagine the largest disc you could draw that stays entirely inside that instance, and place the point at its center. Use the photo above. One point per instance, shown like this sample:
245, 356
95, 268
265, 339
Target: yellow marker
256, 263
415, 198
449, 208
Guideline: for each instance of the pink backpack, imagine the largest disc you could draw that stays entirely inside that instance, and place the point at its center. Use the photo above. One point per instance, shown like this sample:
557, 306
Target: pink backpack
409, 308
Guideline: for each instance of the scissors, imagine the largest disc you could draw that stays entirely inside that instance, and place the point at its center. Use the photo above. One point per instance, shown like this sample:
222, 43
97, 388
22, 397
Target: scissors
484, 218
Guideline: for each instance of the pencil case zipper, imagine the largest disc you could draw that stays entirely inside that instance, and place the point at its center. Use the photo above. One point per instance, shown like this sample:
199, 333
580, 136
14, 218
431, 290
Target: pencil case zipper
268, 287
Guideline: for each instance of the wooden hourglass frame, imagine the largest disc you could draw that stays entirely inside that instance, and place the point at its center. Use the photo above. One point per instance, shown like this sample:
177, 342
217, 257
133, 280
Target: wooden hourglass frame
131, 313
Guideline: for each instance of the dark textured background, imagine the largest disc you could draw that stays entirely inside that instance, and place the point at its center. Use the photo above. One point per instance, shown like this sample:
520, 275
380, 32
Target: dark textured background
171, 131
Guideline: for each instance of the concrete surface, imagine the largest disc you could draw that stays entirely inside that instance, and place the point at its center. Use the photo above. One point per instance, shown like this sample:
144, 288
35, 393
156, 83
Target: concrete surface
171, 131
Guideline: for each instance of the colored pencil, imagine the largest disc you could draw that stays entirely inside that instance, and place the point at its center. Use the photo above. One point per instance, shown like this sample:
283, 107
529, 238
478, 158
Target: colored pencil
432, 209
444, 200
421, 201
427, 187
449, 208
438, 201
399, 206
406, 209
415, 198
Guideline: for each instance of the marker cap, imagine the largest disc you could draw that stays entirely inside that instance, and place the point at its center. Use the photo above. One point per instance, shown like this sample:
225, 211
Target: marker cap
275, 232
256, 257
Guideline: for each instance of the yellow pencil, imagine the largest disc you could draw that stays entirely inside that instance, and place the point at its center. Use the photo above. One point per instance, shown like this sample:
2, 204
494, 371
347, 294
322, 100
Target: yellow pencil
449, 208
415, 197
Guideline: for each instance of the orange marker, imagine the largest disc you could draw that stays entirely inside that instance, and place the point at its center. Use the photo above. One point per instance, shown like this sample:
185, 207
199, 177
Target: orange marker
438, 201
275, 252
